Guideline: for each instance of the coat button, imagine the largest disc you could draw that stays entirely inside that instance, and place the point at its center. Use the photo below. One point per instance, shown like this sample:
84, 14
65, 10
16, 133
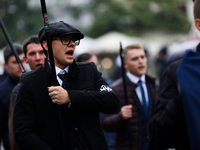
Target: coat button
76, 129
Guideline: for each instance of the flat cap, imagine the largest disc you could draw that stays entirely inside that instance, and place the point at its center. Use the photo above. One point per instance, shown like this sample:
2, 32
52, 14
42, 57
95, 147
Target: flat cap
58, 29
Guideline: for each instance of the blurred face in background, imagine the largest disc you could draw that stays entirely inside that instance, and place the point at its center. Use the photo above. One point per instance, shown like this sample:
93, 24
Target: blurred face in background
136, 62
34, 56
95, 60
12, 67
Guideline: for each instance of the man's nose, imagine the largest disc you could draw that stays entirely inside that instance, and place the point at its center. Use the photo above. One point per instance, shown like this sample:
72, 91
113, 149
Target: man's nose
140, 60
38, 56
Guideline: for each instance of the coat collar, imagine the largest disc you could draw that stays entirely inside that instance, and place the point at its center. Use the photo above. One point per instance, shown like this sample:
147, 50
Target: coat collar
148, 79
73, 68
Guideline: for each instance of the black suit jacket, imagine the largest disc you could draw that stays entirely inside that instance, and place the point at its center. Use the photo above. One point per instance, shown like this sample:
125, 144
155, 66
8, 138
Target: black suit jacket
35, 118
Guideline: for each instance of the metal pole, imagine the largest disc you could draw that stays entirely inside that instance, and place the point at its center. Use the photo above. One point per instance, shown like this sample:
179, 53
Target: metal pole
51, 57
48, 37
121, 52
11, 45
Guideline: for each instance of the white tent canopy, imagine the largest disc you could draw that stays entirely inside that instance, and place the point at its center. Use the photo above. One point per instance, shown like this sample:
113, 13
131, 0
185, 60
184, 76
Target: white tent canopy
110, 42
86, 45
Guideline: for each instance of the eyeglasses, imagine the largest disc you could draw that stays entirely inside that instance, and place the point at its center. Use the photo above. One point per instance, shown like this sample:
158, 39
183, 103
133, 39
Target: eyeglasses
67, 40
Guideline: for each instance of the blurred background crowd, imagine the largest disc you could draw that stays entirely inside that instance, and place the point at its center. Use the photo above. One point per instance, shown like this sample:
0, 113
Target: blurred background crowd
163, 28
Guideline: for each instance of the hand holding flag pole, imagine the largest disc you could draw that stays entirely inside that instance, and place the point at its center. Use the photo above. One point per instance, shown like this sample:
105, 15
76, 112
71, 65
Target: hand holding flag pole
48, 37
51, 57
121, 52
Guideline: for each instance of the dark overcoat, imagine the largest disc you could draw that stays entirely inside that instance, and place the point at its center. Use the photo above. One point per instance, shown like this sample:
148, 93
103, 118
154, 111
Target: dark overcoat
36, 121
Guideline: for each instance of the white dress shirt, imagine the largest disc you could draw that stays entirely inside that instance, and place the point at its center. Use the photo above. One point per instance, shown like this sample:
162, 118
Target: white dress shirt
135, 79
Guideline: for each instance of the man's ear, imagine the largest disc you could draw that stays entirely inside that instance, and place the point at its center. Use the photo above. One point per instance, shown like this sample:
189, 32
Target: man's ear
125, 64
25, 59
44, 44
197, 24
6, 67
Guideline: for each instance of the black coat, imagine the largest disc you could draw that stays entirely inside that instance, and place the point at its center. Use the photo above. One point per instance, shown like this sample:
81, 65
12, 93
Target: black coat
36, 121
167, 128
5, 92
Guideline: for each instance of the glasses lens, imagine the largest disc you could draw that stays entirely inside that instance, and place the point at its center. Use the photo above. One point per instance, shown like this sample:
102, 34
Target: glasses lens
65, 40
77, 42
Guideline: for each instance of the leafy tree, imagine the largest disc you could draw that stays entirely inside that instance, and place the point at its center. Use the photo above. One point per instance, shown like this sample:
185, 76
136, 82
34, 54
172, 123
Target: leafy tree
133, 16
20, 20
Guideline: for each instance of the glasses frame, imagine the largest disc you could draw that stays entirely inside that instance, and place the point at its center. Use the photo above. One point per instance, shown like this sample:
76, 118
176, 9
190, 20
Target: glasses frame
76, 41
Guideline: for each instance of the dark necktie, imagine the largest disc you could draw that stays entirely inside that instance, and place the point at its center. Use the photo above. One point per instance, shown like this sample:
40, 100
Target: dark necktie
63, 77
143, 97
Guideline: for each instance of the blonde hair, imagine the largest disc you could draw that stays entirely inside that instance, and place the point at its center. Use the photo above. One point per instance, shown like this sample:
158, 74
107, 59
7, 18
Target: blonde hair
131, 47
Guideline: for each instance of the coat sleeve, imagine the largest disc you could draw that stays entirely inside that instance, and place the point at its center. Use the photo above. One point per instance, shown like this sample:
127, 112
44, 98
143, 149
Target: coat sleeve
114, 122
166, 126
100, 99
24, 120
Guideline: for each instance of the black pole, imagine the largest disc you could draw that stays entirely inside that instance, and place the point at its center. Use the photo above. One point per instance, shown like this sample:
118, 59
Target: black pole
121, 52
123, 74
48, 37
51, 57
11, 45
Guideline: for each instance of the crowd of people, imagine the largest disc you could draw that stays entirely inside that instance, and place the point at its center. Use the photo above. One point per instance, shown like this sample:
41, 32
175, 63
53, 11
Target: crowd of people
84, 110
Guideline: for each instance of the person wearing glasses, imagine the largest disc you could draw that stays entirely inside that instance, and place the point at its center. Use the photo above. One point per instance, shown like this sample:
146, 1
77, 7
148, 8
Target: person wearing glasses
63, 116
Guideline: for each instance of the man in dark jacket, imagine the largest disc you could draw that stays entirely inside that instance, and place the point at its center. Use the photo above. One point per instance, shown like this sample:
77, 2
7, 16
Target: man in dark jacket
34, 57
6, 86
132, 118
167, 126
50, 117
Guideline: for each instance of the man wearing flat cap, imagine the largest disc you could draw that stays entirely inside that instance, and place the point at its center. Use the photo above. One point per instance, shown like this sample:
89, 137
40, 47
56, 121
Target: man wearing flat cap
79, 97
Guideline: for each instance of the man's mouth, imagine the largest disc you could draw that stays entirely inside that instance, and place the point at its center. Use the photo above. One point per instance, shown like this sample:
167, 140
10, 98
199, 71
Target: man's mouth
70, 52
38, 65
141, 67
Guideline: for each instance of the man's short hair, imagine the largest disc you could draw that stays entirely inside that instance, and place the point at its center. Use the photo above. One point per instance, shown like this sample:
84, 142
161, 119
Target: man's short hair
8, 52
83, 57
130, 47
196, 9
29, 40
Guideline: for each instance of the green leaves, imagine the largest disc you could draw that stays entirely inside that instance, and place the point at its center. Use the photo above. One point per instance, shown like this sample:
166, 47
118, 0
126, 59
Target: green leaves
136, 16
20, 21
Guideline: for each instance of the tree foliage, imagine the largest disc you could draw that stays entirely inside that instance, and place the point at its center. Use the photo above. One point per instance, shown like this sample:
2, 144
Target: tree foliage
134, 16
20, 20
127, 16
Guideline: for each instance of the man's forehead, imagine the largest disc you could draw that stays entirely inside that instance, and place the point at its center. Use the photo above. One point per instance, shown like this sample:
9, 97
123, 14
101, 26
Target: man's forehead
135, 52
34, 47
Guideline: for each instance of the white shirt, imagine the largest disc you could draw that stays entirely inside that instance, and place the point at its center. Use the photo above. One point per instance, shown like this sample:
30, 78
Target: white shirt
60, 71
135, 79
